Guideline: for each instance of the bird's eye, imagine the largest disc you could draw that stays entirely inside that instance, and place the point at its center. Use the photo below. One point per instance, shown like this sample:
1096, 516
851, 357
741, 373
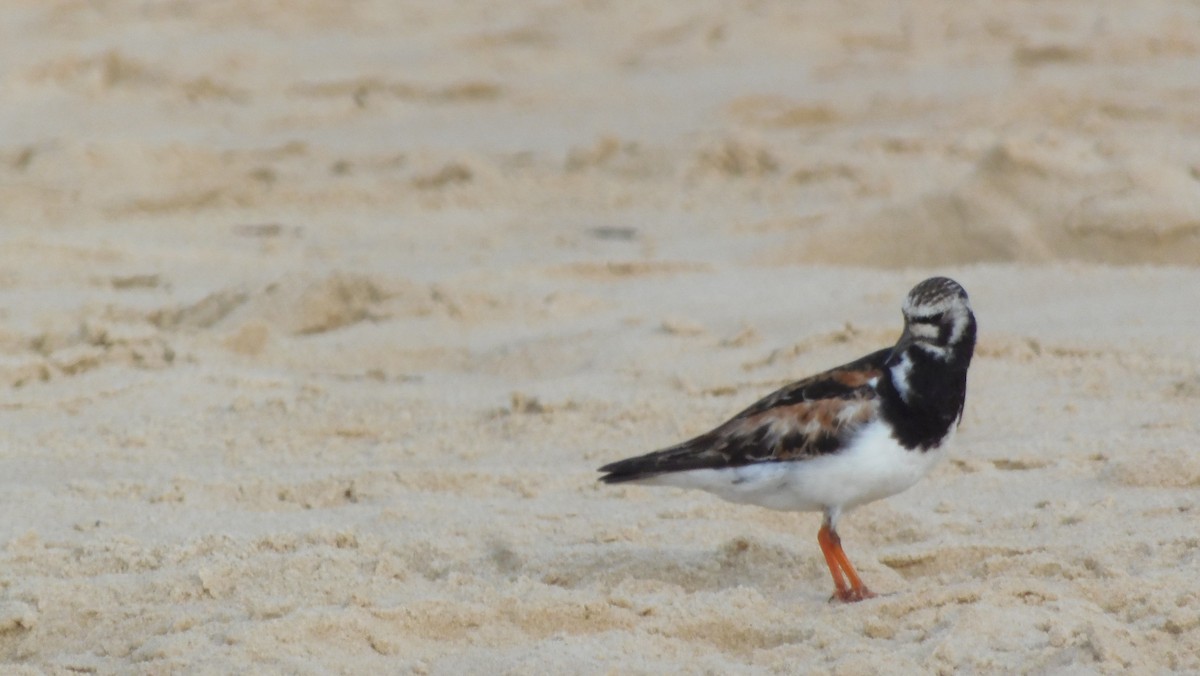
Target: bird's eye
931, 319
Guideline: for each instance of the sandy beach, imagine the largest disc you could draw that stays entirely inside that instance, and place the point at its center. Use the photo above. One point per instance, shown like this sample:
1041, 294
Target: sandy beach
317, 318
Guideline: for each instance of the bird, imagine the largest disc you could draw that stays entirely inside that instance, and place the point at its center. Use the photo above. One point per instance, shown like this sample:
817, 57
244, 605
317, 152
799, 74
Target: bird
831, 442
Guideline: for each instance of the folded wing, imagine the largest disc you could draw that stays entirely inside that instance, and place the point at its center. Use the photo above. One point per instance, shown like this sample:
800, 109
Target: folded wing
806, 419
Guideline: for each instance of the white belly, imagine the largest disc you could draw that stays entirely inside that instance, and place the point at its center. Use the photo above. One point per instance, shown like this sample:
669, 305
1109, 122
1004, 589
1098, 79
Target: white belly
872, 467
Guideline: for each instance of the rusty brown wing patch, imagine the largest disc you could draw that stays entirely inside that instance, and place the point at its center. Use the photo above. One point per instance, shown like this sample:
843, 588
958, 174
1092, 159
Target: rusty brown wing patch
844, 382
798, 431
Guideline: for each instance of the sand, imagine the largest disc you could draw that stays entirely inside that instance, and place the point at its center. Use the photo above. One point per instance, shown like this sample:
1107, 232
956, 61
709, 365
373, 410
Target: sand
316, 319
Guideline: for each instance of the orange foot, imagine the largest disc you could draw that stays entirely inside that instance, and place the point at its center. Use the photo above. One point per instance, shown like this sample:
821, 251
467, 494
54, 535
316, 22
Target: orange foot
852, 595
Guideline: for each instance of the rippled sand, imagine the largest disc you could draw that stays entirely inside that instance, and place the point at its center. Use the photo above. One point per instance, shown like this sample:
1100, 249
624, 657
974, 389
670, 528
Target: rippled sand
317, 318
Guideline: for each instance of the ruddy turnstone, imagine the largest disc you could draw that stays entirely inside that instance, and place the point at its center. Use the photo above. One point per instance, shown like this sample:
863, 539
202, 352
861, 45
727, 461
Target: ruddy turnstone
854, 434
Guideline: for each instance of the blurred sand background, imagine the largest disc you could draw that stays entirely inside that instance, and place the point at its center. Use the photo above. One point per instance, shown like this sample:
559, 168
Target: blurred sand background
317, 318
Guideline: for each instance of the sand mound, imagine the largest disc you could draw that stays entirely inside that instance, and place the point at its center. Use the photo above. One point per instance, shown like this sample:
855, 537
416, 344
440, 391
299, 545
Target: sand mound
1033, 199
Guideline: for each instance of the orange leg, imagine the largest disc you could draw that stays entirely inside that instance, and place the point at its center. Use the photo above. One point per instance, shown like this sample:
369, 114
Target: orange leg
840, 568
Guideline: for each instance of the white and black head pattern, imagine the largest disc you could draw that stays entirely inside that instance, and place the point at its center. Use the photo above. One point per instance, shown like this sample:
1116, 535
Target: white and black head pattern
937, 317
928, 365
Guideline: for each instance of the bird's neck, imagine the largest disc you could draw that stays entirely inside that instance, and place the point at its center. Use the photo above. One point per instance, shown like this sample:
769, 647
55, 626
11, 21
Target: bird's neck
922, 395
